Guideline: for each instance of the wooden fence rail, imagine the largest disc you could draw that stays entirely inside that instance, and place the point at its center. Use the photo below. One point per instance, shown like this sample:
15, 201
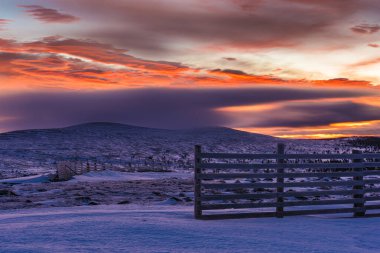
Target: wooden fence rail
278, 185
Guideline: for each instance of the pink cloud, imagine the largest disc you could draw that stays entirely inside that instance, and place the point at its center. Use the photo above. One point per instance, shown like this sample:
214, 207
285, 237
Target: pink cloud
366, 28
48, 15
226, 23
373, 45
3, 22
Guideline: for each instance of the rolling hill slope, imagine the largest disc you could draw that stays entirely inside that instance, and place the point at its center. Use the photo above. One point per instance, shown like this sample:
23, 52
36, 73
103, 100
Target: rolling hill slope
32, 151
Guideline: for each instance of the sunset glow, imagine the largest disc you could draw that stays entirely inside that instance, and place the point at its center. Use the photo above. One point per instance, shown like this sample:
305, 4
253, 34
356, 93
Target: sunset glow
287, 68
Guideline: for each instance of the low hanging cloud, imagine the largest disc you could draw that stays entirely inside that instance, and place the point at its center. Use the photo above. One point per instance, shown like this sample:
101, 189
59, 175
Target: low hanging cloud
342, 82
162, 108
48, 15
230, 71
366, 28
312, 114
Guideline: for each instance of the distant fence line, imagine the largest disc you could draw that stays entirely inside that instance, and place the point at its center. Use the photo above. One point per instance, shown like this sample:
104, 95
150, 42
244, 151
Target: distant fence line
127, 163
68, 169
225, 181
65, 170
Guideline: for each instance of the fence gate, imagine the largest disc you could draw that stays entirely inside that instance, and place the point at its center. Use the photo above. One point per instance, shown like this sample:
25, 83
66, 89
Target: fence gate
278, 185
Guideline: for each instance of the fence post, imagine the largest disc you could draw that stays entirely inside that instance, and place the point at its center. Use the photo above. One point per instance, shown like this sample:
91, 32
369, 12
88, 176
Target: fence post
197, 182
358, 186
280, 179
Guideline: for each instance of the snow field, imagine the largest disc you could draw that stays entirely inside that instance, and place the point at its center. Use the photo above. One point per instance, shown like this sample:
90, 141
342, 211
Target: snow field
173, 229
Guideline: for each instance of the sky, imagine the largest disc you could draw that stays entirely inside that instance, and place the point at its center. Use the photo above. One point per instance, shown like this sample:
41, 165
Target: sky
287, 68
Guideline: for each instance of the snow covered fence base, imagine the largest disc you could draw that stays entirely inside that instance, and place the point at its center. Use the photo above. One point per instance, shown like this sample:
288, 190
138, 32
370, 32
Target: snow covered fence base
263, 185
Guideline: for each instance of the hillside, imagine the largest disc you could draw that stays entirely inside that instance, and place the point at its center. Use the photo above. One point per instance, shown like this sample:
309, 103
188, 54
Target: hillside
108, 144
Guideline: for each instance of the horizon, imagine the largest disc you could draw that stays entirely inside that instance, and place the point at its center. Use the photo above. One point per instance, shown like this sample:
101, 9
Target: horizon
195, 128
285, 68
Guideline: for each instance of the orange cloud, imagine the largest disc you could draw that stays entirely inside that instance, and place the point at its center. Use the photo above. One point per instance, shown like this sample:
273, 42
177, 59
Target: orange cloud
83, 64
375, 45
57, 61
342, 82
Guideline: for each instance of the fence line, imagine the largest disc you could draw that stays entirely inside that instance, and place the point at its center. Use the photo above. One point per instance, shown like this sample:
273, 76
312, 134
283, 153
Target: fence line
68, 169
241, 185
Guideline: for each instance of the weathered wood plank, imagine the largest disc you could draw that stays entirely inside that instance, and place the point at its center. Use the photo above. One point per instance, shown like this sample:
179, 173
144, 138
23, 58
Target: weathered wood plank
284, 204
290, 165
376, 198
287, 184
371, 215
275, 195
372, 190
288, 175
290, 156
237, 215
238, 156
372, 207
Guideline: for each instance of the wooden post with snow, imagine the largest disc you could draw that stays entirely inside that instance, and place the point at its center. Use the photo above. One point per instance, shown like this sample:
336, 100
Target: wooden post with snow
359, 186
280, 180
197, 182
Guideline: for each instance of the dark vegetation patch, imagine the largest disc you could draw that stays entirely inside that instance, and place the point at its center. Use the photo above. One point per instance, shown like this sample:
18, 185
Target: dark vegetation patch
366, 142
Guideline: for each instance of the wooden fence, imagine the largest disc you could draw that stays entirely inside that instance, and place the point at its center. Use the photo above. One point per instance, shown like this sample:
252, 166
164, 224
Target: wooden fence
66, 170
278, 185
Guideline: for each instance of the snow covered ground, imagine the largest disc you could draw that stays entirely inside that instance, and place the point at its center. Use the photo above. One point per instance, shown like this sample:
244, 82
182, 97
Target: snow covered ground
97, 188
98, 176
109, 175
134, 206
164, 228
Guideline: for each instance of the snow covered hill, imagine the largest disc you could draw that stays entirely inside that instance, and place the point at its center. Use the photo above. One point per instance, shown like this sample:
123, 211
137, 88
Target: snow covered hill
24, 153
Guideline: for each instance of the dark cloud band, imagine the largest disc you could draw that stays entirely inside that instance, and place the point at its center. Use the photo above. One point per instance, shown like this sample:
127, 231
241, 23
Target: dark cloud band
164, 108
298, 115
